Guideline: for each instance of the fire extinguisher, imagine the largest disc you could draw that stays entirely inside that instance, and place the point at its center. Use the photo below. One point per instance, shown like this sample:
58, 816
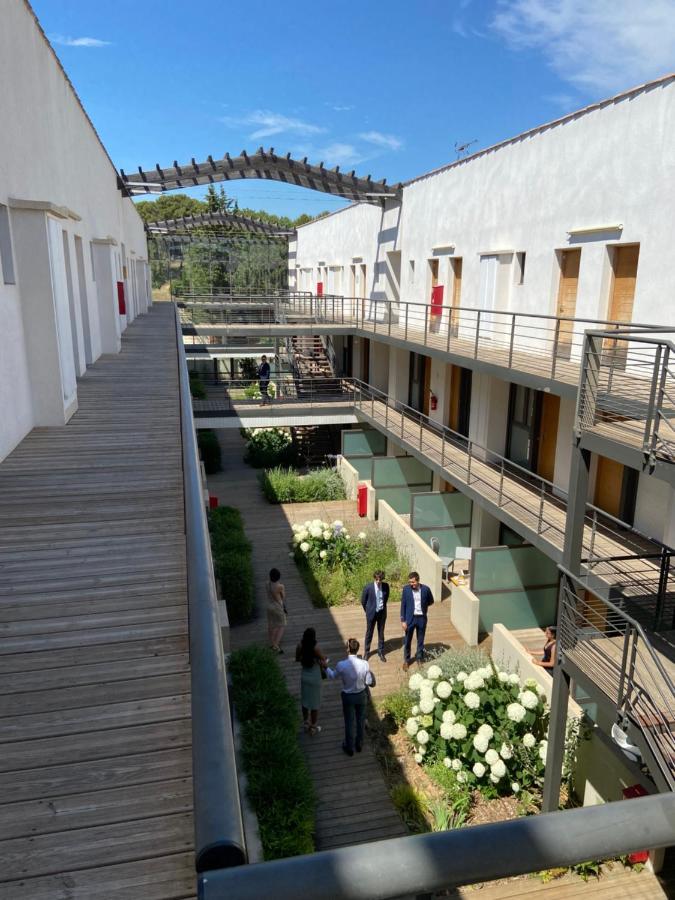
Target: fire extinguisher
434, 401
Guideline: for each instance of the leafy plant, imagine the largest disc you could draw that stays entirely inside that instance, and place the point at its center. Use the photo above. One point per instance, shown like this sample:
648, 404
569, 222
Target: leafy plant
231, 552
411, 805
209, 449
397, 705
585, 869
197, 389
280, 786
268, 447
249, 368
281, 485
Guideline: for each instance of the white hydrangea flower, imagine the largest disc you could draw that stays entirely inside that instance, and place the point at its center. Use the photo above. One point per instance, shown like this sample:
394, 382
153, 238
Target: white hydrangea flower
543, 749
486, 730
458, 731
460, 676
487, 672
418, 758
304, 546
456, 764
315, 532
491, 756
480, 742
434, 672
503, 677
422, 736
514, 679
473, 682
515, 787
323, 554
529, 740
478, 770
446, 762
427, 704
446, 731
337, 524
515, 712
449, 716
494, 779
295, 526
506, 751
472, 700
303, 535
415, 681
415, 710
422, 750
327, 535
308, 524
443, 689
461, 777
412, 726
498, 768
530, 683
529, 699
362, 535
296, 539
317, 522
427, 685
345, 535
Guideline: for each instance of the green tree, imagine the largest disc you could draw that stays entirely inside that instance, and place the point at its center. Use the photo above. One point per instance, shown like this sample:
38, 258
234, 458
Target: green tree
169, 206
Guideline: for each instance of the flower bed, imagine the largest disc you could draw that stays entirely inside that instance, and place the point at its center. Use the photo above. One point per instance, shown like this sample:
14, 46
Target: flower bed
484, 725
335, 565
267, 447
281, 485
280, 786
231, 552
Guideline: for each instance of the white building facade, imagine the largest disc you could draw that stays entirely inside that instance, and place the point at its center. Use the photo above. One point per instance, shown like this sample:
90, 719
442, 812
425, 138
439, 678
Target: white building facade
73, 254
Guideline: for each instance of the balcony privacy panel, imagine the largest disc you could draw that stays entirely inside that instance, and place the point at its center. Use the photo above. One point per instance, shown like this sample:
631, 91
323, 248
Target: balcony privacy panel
517, 586
397, 478
363, 443
446, 516
363, 465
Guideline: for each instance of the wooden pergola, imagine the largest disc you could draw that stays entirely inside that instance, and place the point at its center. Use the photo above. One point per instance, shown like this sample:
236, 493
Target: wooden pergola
219, 223
263, 164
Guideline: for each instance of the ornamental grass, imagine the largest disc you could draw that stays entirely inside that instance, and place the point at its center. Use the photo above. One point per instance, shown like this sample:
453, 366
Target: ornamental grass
280, 485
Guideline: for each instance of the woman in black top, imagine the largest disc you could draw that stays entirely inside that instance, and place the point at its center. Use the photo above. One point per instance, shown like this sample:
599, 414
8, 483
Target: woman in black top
547, 661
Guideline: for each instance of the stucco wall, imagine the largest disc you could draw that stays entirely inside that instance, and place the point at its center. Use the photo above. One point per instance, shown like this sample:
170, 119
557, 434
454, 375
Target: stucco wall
421, 558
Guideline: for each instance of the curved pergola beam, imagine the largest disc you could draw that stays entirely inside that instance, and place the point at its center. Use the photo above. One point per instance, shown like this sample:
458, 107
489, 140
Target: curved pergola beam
264, 165
227, 222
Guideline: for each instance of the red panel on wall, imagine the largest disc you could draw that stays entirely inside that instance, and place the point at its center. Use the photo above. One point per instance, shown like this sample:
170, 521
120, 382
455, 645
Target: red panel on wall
437, 300
319, 288
121, 302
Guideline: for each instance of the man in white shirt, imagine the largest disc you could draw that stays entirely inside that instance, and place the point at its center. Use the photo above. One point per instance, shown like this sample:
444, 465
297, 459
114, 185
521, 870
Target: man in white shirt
356, 676
416, 599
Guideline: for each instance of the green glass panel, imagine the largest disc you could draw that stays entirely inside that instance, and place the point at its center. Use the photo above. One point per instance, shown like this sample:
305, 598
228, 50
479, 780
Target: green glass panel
363, 443
519, 609
511, 538
393, 470
510, 568
440, 509
397, 497
363, 465
448, 538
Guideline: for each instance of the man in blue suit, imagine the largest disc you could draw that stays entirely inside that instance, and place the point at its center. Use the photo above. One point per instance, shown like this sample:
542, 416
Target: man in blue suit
374, 599
415, 601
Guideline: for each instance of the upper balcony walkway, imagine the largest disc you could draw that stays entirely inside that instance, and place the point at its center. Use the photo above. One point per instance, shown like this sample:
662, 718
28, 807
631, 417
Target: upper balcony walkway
96, 788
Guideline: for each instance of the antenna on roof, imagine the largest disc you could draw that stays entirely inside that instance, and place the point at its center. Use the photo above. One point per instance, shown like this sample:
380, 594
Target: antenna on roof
462, 150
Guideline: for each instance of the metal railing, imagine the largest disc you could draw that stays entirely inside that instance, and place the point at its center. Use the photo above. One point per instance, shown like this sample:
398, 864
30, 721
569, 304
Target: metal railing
425, 863
219, 831
612, 650
627, 389
550, 347
226, 394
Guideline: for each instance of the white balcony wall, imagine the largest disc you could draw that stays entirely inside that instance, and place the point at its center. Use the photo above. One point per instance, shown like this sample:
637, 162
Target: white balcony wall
54, 165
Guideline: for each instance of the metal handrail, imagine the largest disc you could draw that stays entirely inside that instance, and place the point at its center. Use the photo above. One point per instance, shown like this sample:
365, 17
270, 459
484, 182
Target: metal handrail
219, 830
426, 863
288, 389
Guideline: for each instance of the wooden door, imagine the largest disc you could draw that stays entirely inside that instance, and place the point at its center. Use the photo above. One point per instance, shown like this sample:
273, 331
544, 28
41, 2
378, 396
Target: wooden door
570, 261
548, 433
459, 406
609, 486
625, 265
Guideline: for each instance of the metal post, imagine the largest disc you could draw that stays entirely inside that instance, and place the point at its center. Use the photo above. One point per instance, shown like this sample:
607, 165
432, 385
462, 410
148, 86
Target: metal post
556, 340
658, 402
442, 451
426, 323
475, 349
664, 572
501, 483
557, 728
624, 667
576, 508
421, 429
540, 520
390, 306
375, 322
405, 336
513, 335
468, 466
447, 343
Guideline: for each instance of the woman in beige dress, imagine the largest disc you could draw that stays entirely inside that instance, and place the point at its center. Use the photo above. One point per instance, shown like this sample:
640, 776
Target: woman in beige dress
276, 610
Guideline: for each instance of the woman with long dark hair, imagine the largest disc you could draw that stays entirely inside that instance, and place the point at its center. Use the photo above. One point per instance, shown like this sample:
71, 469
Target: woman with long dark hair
313, 664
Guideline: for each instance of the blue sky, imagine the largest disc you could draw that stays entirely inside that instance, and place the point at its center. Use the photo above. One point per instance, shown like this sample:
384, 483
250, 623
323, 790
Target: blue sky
387, 87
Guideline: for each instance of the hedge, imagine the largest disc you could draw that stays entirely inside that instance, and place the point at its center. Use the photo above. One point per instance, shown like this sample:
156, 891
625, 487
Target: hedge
280, 786
209, 450
231, 552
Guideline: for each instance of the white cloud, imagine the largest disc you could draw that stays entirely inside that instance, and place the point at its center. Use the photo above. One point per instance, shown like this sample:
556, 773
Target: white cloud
598, 46
77, 42
564, 101
337, 153
269, 123
388, 141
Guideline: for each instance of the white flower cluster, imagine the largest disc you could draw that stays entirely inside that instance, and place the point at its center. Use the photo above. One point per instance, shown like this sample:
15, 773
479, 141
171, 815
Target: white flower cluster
483, 725
320, 536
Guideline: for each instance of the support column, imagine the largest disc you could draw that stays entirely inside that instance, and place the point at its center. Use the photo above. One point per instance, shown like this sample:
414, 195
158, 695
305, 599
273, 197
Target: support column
557, 730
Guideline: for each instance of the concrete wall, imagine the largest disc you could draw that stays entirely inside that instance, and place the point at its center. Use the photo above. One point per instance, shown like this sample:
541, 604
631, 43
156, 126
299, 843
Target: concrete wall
465, 613
54, 168
421, 557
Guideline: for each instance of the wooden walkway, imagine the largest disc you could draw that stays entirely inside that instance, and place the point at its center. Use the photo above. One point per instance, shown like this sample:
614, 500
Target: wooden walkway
95, 730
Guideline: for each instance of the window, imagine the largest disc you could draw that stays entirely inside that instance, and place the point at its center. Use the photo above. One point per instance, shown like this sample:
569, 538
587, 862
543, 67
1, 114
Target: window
520, 267
6, 258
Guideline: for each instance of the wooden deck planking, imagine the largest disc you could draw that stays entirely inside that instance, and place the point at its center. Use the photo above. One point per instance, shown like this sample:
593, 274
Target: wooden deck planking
95, 730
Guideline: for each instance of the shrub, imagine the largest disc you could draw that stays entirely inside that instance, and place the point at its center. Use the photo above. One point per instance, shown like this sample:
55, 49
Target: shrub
281, 485
398, 706
348, 564
411, 805
484, 725
460, 659
249, 368
279, 784
267, 447
231, 551
253, 392
197, 389
209, 449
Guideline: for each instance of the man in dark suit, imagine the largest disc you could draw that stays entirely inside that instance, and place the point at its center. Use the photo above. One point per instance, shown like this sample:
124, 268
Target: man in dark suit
415, 601
374, 599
